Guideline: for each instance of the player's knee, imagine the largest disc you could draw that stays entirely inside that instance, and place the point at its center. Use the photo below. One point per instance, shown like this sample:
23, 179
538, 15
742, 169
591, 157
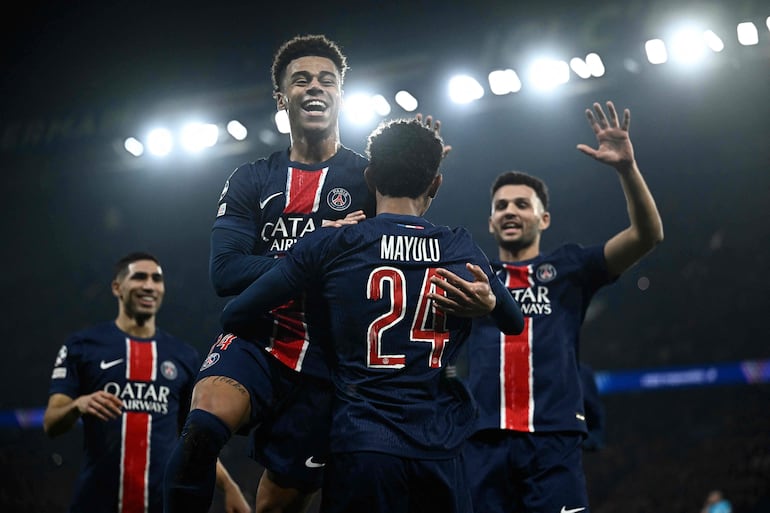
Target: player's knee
203, 436
223, 397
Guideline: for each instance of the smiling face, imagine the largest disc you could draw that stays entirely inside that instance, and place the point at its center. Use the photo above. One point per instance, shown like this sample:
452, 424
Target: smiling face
518, 217
140, 289
311, 94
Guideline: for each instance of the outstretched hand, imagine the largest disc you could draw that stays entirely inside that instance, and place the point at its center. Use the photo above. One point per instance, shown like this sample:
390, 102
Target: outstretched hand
615, 147
463, 298
436, 126
351, 218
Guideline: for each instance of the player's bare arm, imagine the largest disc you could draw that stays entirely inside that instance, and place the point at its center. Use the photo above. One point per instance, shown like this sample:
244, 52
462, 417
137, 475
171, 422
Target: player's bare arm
463, 298
62, 411
615, 149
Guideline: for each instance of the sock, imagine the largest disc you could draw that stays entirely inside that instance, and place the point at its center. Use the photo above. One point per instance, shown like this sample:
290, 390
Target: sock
191, 470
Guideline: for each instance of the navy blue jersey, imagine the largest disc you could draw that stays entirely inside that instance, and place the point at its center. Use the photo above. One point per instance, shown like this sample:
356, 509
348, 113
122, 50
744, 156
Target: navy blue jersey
530, 382
393, 351
124, 459
276, 202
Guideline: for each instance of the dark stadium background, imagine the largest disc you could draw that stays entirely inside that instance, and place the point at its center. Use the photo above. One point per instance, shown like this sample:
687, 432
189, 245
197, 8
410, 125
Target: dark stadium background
77, 77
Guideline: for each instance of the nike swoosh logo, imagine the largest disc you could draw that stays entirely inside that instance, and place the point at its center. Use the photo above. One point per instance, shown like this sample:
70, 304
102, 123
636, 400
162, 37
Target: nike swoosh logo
565, 510
266, 200
106, 365
312, 464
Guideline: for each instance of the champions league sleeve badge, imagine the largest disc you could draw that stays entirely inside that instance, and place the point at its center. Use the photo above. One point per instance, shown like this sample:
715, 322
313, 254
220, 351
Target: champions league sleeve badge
338, 199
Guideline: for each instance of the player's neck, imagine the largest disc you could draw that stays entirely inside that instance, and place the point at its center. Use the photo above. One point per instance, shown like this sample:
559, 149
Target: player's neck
519, 254
313, 151
139, 328
401, 206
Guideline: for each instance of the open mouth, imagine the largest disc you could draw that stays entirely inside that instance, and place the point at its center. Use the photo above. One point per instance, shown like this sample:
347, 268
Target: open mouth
314, 106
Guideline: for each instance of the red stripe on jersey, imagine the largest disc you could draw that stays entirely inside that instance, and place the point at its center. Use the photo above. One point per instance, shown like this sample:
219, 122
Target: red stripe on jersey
290, 337
303, 190
135, 462
142, 363
517, 400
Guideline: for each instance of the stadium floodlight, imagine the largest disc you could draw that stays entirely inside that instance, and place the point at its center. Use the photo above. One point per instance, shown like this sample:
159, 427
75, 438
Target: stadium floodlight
237, 130
656, 51
359, 108
465, 89
713, 41
546, 74
282, 121
595, 64
688, 46
406, 101
504, 81
196, 137
160, 142
380, 105
580, 67
747, 33
134, 146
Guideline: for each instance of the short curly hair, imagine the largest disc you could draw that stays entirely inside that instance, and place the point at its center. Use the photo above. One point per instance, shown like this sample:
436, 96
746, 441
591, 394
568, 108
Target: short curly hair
519, 178
404, 157
315, 45
120, 269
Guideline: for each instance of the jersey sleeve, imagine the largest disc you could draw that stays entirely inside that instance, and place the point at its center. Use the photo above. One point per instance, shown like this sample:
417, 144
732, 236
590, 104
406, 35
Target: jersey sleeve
290, 276
65, 378
232, 264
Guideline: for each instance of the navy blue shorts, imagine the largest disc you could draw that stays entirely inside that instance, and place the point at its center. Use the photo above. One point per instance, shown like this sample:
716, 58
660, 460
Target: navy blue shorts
515, 472
290, 412
371, 482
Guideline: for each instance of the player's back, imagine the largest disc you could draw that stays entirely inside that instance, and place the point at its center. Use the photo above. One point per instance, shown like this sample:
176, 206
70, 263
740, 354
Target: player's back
393, 350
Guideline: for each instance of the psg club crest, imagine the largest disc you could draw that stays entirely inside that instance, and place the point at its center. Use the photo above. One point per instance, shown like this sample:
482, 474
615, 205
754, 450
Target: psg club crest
168, 369
338, 199
211, 359
545, 273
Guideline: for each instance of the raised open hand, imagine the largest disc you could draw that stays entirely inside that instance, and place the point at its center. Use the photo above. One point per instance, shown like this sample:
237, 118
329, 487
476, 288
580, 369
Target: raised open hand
436, 126
615, 148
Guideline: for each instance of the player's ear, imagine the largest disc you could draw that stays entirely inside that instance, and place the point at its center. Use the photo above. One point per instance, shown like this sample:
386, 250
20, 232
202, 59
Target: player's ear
434, 185
280, 101
545, 221
115, 288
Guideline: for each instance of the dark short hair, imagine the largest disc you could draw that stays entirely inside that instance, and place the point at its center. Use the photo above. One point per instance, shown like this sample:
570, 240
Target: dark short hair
519, 178
315, 45
121, 266
404, 157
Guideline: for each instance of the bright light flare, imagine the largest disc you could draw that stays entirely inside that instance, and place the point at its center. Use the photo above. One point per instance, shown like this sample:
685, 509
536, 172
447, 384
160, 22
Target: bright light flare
656, 51
504, 81
465, 89
595, 64
160, 142
359, 109
282, 121
547, 74
406, 101
196, 137
237, 130
747, 34
133, 146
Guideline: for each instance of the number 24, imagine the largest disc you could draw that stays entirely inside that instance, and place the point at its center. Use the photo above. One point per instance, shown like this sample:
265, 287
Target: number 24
436, 334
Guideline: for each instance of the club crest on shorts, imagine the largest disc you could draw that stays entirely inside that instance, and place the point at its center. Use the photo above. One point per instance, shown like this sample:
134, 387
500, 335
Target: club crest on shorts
338, 199
168, 369
210, 360
545, 273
